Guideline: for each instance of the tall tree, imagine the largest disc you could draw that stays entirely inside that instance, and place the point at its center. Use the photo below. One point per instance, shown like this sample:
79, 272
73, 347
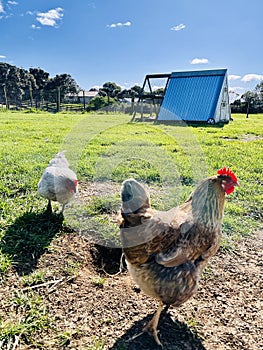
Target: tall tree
28, 84
259, 88
41, 78
259, 91
111, 90
4, 72
13, 86
137, 90
61, 85
250, 98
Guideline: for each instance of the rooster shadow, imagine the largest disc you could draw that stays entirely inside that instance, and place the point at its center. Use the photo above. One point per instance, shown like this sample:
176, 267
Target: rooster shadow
28, 238
173, 334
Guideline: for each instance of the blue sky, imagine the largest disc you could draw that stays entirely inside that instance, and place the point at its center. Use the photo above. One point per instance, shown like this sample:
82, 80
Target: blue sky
122, 41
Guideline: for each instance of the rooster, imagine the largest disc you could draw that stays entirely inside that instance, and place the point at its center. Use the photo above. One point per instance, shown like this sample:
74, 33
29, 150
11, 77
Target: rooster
58, 182
166, 252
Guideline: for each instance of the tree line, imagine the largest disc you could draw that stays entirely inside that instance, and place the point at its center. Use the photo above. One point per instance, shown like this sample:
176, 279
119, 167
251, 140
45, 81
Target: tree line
35, 88
18, 85
250, 101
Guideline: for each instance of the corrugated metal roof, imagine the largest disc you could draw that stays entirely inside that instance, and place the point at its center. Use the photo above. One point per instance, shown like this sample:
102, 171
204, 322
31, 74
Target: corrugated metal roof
192, 95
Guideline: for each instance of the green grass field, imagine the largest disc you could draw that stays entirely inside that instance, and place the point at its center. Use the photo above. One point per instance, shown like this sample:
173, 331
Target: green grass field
100, 147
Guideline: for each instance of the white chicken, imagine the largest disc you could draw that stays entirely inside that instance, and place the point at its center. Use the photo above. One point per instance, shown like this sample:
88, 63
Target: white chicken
58, 182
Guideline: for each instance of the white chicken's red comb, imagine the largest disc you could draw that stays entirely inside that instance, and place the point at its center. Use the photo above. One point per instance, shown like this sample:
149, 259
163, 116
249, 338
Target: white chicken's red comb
228, 172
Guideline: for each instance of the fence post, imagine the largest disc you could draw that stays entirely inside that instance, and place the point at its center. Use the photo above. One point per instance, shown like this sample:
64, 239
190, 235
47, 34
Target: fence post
58, 99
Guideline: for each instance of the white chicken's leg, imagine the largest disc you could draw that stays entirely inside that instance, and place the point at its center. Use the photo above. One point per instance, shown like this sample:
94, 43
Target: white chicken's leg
151, 326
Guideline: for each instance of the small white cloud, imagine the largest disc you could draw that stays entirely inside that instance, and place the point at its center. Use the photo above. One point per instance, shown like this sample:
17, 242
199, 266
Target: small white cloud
2, 56
51, 17
119, 24
234, 77
12, 2
178, 27
1, 7
35, 27
199, 61
249, 77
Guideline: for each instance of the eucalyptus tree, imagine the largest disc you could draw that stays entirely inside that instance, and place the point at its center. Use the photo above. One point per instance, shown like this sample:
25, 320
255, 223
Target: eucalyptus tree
250, 98
28, 84
4, 72
59, 86
12, 86
41, 79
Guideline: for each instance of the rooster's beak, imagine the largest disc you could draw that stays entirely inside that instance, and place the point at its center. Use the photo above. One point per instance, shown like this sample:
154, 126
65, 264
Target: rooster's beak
237, 184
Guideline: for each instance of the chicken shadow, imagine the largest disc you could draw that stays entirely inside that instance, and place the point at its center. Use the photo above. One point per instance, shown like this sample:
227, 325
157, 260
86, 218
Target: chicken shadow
28, 238
173, 334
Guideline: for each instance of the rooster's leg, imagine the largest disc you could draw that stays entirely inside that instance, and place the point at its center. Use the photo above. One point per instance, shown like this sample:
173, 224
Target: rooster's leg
151, 326
49, 207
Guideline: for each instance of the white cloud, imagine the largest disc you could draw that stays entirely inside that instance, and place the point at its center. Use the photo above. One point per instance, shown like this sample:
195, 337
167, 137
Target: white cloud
119, 24
234, 77
235, 93
12, 2
199, 61
178, 27
1, 7
249, 77
2, 56
35, 27
51, 17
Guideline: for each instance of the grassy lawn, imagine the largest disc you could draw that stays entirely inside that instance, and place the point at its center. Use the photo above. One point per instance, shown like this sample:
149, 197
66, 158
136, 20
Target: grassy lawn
169, 159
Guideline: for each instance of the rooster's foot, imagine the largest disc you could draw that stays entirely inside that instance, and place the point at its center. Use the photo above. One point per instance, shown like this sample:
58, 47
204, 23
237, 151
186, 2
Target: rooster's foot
151, 326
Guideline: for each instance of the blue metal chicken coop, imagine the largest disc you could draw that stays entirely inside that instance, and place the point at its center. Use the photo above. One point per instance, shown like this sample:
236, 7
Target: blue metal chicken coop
196, 96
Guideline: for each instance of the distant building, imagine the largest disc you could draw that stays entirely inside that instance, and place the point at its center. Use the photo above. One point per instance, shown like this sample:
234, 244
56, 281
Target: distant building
196, 96
82, 96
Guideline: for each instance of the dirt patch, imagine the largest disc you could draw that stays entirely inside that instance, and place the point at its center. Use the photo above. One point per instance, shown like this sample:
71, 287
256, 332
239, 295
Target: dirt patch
89, 189
89, 307
251, 137
244, 138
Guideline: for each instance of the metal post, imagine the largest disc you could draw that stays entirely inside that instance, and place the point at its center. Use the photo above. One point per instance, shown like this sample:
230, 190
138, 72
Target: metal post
58, 99
84, 102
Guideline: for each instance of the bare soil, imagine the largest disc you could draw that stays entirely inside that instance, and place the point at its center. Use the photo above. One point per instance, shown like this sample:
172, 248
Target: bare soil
90, 305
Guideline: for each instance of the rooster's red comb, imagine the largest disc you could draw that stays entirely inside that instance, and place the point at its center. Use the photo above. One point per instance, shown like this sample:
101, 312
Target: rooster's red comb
228, 172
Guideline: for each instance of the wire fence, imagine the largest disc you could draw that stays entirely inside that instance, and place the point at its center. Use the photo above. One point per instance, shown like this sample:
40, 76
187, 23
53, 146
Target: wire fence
139, 108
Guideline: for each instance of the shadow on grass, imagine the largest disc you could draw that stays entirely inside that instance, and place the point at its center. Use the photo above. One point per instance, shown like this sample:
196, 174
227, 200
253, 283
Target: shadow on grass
174, 335
188, 123
28, 238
